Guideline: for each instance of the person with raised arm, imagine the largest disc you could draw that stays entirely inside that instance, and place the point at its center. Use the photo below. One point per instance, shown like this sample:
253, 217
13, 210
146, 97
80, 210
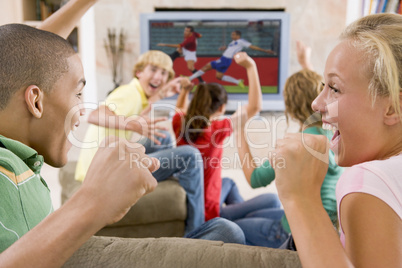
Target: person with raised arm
67, 17
269, 227
201, 124
361, 105
124, 112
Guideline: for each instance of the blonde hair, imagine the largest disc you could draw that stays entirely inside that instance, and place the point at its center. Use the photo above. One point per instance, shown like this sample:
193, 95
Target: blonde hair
157, 58
299, 93
379, 37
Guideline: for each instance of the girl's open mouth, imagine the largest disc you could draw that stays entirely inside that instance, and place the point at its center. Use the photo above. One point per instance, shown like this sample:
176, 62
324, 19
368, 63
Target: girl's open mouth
335, 138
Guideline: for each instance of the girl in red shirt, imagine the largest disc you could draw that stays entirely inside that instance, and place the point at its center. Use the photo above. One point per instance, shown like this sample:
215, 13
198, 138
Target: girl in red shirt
202, 125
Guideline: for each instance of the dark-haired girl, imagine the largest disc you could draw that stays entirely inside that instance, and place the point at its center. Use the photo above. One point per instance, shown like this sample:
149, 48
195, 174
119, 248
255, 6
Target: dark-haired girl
202, 125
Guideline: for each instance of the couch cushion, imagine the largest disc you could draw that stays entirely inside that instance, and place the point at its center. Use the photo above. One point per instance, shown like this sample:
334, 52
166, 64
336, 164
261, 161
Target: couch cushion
166, 203
156, 229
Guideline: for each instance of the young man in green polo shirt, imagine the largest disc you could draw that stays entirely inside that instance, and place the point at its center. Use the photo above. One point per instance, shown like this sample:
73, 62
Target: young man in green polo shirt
41, 82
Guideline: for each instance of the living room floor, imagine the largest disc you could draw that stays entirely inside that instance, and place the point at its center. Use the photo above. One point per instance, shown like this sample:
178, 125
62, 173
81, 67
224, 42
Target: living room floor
263, 131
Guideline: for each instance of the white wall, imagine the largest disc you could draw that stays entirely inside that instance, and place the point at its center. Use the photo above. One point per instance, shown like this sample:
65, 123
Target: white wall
354, 10
88, 55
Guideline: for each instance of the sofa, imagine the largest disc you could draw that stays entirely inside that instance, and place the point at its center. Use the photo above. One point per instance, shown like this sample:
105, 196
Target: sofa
160, 217
161, 213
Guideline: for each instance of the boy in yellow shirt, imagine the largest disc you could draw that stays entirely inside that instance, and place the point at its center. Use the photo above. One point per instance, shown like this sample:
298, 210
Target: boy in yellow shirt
122, 114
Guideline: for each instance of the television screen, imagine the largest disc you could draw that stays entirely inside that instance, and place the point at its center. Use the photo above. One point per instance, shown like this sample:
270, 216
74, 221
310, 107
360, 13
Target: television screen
263, 35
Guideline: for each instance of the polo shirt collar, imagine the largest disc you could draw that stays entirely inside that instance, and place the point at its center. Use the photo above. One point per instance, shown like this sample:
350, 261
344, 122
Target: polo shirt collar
136, 83
24, 152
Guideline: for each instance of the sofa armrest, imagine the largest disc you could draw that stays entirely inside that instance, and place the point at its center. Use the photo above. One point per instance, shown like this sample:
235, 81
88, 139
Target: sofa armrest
177, 252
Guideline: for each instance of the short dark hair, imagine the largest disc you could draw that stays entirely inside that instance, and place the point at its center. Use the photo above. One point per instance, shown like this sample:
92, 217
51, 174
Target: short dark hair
29, 56
237, 32
191, 28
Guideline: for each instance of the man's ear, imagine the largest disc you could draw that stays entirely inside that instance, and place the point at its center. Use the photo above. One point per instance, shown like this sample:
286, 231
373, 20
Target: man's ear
34, 100
392, 117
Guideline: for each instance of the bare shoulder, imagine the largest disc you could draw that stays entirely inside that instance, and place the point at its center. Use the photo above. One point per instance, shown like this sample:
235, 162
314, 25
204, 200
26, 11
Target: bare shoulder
373, 231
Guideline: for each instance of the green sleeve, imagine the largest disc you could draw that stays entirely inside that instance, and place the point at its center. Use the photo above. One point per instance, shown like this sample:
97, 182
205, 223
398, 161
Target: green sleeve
262, 175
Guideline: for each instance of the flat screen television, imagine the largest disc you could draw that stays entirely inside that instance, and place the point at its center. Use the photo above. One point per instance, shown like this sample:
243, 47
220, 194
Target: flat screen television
267, 30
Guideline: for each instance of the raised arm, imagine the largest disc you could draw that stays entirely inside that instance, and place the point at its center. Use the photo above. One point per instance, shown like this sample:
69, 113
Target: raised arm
299, 188
142, 124
303, 56
244, 113
254, 91
63, 21
239, 119
182, 100
170, 89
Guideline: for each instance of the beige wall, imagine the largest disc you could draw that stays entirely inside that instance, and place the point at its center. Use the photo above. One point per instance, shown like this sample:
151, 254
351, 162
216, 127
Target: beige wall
316, 22
10, 11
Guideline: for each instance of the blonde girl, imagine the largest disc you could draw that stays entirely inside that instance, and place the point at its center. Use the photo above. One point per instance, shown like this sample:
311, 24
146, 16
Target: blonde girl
361, 103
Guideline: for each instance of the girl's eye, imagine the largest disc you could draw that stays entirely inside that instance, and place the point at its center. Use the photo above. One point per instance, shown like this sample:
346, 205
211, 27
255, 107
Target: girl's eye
333, 89
79, 95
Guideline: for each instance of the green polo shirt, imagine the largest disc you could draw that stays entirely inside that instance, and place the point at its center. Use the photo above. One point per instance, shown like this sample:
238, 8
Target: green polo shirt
24, 196
265, 174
